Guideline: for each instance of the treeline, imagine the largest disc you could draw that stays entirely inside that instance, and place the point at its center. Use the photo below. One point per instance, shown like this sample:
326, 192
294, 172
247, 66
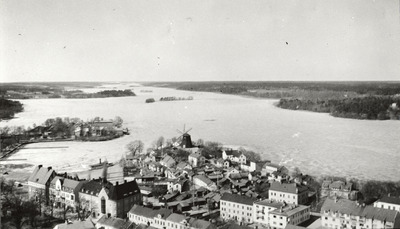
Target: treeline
101, 94
172, 98
370, 107
8, 108
238, 87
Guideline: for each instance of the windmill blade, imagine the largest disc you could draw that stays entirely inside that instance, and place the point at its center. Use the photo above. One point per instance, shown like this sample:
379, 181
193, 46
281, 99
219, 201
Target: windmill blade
179, 131
188, 130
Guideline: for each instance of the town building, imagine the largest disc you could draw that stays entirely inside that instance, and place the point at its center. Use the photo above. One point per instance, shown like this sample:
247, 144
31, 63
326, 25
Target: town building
205, 182
106, 222
168, 161
65, 191
237, 207
196, 159
101, 197
234, 155
269, 168
290, 193
388, 202
149, 217
87, 224
177, 221
339, 189
288, 214
344, 213
39, 183
261, 211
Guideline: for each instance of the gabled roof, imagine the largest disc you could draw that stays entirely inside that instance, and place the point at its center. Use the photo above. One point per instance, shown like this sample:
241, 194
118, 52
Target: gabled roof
41, 175
238, 199
292, 188
390, 200
112, 222
349, 207
168, 159
200, 224
204, 179
116, 192
176, 218
150, 213
234, 153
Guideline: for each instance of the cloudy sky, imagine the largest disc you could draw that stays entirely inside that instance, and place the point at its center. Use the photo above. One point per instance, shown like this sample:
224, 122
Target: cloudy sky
174, 40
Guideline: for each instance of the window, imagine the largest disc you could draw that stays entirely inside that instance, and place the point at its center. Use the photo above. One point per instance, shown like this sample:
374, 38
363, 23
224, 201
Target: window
103, 205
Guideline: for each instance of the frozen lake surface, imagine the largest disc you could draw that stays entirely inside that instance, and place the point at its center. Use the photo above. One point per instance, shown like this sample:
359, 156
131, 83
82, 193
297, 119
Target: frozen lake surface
316, 143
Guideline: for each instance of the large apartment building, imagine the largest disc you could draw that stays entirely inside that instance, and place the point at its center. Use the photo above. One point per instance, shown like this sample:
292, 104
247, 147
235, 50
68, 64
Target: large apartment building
237, 207
261, 211
290, 193
388, 202
288, 214
343, 213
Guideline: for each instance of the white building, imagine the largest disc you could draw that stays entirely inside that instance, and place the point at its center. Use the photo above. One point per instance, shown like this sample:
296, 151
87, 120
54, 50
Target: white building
290, 193
149, 217
343, 213
196, 159
237, 207
205, 182
387, 202
234, 155
261, 211
288, 214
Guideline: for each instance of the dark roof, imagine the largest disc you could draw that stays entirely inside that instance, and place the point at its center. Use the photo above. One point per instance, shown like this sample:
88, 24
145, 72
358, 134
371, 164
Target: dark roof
114, 222
269, 203
234, 153
349, 207
116, 192
150, 213
200, 224
288, 187
41, 175
390, 200
238, 199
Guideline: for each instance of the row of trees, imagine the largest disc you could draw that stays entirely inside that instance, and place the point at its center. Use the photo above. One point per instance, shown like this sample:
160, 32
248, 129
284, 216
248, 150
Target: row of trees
8, 108
371, 107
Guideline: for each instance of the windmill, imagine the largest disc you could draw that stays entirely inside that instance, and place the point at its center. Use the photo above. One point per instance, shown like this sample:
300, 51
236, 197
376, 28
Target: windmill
186, 141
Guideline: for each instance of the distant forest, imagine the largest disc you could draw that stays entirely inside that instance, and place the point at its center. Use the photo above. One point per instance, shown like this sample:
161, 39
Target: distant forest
8, 108
357, 100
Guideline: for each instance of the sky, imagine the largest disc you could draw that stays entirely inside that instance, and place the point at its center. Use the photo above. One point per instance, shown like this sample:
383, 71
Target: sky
199, 40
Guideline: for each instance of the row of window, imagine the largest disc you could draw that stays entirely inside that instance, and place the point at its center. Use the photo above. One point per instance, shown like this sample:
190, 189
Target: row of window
236, 205
282, 195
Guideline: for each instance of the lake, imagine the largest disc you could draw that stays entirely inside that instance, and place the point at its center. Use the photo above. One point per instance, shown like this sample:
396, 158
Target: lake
316, 143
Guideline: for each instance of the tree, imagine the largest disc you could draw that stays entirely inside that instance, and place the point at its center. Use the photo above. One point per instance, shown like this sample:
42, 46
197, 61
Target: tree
296, 172
118, 121
135, 147
250, 155
160, 141
200, 142
49, 121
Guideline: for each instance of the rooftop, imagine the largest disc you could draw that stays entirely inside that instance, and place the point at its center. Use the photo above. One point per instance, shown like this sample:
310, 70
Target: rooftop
349, 207
41, 175
238, 199
150, 213
289, 210
113, 222
288, 187
390, 200
270, 203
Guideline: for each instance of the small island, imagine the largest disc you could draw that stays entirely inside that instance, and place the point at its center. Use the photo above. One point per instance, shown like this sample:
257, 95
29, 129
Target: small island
150, 100
9, 108
173, 98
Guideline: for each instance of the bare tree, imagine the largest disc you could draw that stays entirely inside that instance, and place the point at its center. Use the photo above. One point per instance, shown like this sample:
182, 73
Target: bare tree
135, 147
160, 141
118, 121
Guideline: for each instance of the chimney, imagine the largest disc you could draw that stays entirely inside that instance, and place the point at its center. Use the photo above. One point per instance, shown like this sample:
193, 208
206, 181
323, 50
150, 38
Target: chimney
49, 168
99, 160
125, 181
116, 183
40, 166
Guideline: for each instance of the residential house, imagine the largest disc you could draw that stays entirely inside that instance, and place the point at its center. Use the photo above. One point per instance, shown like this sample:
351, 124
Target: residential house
249, 166
196, 159
148, 216
203, 181
290, 193
179, 185
288, 214
269, 168
183, 165
261, 211
106, 222
177, 221
234, 155
338, 188
388, 202
65, 191
219, 163
39, 183
344, 213
237, 207
168, 161
103, 198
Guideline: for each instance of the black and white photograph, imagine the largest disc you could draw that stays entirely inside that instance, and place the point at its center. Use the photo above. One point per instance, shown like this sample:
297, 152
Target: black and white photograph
212, 114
